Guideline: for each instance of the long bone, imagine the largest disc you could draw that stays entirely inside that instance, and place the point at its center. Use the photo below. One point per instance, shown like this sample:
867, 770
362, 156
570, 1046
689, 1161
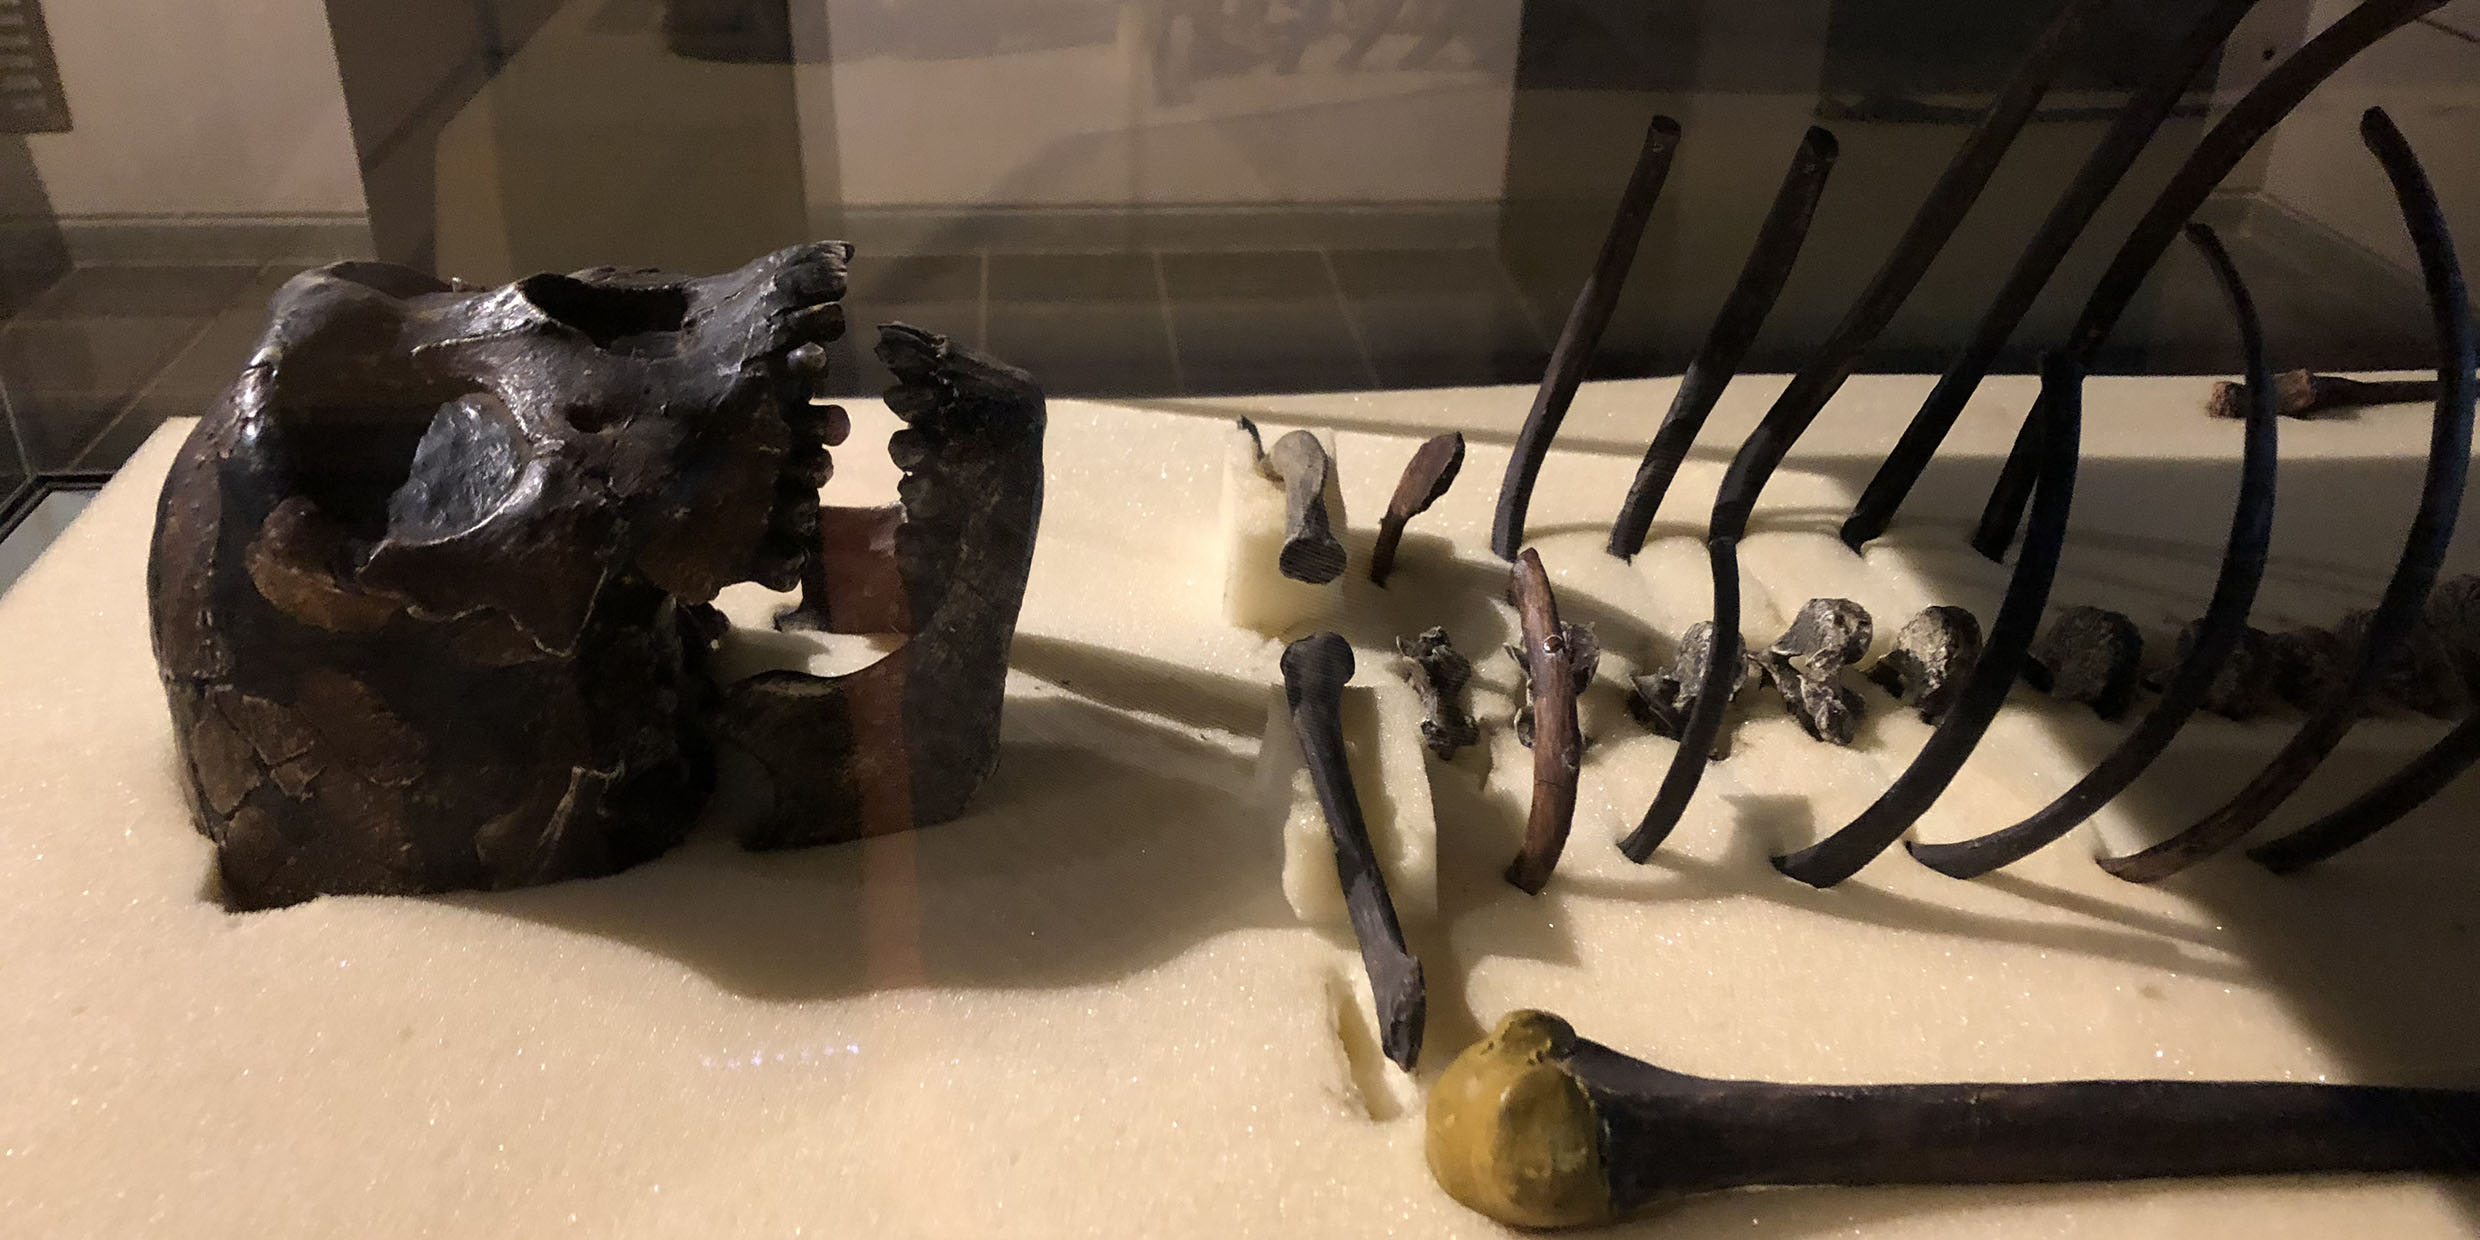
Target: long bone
1967, 173
2305, 394
2104, 167
1553, 653
2227, 143
1840, 855
1298, 461
1761, 280
2225, 621
1538, 1127
1315, 670
2432, 527
1583, 332
2377, 808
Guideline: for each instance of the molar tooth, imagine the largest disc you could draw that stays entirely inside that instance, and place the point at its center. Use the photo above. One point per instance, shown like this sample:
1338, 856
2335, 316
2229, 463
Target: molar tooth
807, 359
909, 447
909, 401
923, 498
809, 464
828, 422
822, 322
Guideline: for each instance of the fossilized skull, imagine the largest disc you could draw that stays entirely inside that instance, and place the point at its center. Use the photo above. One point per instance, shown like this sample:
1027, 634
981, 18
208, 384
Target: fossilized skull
428, 584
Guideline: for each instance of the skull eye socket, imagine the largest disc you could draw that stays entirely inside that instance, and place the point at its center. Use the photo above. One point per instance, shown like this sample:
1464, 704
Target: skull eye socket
464, 468
641, 321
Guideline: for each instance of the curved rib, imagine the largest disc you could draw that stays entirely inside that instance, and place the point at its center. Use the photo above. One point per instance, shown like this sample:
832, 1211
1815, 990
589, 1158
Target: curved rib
1583, 332
1840, 855
1735, 329
2225, 620
2248, 121
2441, 496
1939, 214
2379, 807
2104, 167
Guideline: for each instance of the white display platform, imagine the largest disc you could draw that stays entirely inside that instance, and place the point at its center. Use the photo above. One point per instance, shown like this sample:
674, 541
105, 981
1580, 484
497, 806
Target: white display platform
1086, 1009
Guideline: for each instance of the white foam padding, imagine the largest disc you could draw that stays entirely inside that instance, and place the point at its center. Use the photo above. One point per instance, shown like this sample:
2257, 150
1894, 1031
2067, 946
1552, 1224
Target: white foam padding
1087, 1008
1390, 776
1256, 594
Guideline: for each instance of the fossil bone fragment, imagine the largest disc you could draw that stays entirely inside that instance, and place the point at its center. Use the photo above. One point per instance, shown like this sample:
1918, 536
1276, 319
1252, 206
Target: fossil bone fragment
1381, 734
1535, 1126
1427, 476
2244, 687
2419, 674
1279, 539
1442, 676
1315, 670
1558, 661
1577, 340
1310, 552
2089, 655
1664, 700
1806, 666
1933, 654
2311, 669
2305, 394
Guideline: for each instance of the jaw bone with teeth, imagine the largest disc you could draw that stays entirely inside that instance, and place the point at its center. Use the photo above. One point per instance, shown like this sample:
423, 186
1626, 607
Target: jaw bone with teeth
429, 586
904, 742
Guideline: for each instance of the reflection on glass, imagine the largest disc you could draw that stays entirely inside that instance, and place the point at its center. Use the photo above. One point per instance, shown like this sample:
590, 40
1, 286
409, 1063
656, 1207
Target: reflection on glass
1153, 196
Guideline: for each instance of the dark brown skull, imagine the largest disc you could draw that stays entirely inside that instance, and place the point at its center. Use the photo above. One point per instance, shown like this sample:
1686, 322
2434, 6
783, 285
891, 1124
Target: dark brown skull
423, 584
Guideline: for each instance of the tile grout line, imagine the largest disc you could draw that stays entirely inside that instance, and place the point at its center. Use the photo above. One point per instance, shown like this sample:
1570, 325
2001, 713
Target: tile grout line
1524, 305
1351, 322
2465, 35
1171, 332
8, 411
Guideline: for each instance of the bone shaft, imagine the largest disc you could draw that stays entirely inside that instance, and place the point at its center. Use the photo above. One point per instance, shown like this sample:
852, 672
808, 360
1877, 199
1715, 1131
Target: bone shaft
1664, 1134
1761, 280
1556, 740
2338, 392
1315, 670
1310, 552
1583, 333
2380, 806
1427, 475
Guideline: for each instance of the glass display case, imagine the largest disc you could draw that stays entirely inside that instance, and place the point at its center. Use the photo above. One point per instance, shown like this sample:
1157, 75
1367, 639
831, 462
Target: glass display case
1139, 199
1383, 524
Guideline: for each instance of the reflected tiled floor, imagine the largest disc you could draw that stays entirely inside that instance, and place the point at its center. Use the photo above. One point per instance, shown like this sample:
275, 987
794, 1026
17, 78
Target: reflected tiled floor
1173, 323
101, 359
